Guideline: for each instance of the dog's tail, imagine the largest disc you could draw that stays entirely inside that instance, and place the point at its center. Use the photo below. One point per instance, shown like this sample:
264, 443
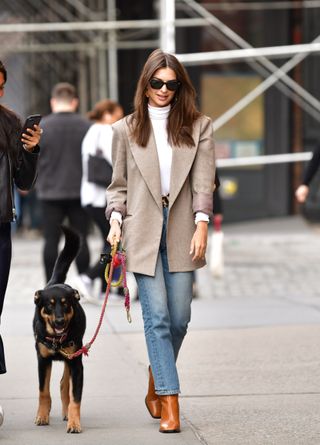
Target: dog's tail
66, 256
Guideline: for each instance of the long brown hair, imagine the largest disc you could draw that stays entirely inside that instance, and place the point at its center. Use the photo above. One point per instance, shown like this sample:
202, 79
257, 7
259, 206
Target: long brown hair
183, 111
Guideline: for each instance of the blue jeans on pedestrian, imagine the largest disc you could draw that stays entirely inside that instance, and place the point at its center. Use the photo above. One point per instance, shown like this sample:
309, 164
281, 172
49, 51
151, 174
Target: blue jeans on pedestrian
5, 261
166, 308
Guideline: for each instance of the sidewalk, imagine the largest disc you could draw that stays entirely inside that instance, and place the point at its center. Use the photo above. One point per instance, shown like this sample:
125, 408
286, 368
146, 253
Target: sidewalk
249, 366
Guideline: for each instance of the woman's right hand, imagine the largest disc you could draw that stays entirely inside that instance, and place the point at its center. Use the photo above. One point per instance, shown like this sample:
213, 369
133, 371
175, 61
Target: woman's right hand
114, 233
302, 193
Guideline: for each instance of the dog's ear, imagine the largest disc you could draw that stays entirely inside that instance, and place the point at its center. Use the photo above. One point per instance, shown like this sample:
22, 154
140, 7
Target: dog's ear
76, 294
37, 297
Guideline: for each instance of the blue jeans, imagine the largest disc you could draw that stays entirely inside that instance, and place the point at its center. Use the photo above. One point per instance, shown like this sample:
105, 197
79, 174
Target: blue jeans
166, 308
5, 260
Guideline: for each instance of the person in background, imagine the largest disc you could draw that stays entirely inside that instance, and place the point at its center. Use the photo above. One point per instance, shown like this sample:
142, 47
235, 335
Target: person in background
29, 216
217, 207
160, 199
18, 163
302, 191
98, 140
60, 173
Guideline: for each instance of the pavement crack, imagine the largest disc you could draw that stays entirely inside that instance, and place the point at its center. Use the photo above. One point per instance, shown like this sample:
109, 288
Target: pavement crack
195, 430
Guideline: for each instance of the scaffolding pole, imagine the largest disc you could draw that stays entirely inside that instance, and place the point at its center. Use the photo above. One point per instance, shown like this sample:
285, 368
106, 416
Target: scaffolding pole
167, 27
69, 47
112, 54
96, 25
249, 161
239, 55
258, 6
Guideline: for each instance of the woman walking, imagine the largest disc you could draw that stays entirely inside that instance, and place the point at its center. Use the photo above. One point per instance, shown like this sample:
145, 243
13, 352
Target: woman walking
159, 204
97, 141
18, 160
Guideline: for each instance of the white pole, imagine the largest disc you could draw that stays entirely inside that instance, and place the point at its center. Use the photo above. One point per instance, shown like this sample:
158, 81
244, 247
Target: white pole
95, 26
167, 27
249, 53
263, 160
112, 54
242, 6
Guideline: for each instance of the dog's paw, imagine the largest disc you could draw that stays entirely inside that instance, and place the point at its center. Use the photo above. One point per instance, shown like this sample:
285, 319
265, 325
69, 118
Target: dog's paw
42, 420
74, 427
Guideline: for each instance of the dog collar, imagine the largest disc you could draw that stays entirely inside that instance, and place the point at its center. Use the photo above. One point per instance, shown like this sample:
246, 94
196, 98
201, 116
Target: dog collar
55, 342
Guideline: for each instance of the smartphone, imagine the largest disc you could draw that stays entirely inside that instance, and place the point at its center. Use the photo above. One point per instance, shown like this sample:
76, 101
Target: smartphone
32, 120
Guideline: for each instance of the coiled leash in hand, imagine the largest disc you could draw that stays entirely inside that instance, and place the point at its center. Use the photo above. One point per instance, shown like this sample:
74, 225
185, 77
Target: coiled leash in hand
119, 260
116, 259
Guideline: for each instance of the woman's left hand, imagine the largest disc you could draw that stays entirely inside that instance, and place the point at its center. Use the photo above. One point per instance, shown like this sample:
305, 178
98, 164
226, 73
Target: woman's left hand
198, 245
31, 138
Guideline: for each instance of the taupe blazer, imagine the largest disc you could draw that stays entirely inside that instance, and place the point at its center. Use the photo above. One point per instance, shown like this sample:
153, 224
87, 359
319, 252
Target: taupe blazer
135, 192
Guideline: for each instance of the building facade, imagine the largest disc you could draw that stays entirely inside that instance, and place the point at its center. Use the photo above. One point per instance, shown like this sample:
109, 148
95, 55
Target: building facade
272, 124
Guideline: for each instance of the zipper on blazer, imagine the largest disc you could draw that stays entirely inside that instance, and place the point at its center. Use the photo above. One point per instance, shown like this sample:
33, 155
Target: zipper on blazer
14, 212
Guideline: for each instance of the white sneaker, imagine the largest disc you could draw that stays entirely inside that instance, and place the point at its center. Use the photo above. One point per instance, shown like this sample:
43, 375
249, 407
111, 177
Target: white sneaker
1, 415
85, 286
132, 286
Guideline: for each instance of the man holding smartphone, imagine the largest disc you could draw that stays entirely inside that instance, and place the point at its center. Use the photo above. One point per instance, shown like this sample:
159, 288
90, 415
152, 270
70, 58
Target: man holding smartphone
18, 163
60, 174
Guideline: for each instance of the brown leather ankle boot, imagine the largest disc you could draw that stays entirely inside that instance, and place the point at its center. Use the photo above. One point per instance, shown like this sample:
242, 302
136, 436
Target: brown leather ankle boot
170, 419
152, 399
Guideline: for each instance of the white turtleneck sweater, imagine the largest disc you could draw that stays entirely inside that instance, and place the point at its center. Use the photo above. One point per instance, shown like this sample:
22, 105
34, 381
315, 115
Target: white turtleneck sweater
159, 119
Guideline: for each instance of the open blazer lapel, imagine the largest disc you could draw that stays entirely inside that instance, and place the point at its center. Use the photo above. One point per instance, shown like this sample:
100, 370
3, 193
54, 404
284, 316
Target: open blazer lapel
147, 161
182, 160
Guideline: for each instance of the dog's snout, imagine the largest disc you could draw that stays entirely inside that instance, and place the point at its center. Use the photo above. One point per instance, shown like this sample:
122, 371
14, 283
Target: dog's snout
59, 322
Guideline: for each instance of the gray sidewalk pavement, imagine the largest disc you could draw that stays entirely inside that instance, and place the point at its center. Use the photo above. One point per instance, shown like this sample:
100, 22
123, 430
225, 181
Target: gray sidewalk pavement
249, 367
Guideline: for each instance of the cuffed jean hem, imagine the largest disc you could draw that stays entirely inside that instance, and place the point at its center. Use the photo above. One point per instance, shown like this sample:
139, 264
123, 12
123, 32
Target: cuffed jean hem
168, 393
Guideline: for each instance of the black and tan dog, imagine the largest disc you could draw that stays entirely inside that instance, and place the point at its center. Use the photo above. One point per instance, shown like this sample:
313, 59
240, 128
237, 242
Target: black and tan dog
59, 325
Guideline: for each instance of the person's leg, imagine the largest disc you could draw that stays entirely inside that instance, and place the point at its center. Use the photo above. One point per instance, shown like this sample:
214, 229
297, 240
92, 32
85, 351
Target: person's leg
35, 214
154, 304
154, 294
78, 219
179, 291
97, 214
53, 216
5, 261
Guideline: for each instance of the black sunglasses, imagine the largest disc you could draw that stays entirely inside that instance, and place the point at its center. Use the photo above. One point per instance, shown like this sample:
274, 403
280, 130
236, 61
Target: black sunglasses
157, 84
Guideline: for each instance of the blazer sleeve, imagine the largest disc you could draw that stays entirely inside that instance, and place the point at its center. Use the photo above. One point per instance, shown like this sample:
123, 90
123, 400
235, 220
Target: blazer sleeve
203, 170
117, 190
312, 167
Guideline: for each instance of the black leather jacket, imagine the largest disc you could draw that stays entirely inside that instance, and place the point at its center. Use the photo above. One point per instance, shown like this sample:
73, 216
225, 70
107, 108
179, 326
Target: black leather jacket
23, 175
